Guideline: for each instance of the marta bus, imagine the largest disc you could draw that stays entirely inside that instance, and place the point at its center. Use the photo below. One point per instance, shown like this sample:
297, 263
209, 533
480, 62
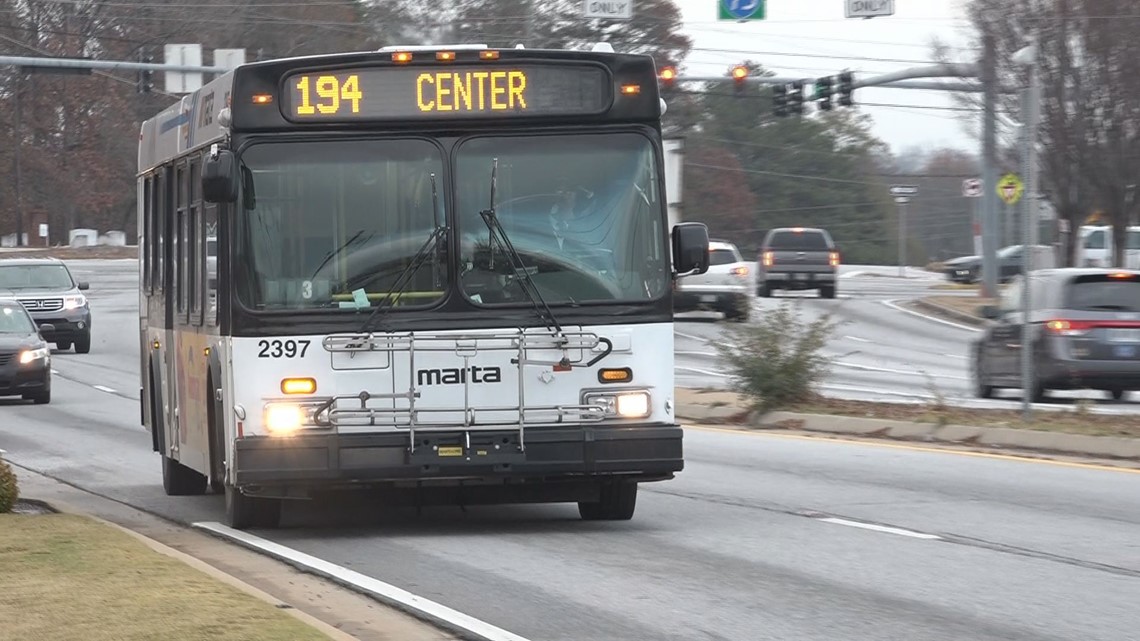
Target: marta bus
440, 269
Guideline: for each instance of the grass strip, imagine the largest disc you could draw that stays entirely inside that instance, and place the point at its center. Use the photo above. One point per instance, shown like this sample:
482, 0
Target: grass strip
66, 577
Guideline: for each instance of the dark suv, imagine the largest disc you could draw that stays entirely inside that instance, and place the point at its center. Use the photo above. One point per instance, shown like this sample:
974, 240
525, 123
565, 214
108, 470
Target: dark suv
798, 258
1084, 330
55, 300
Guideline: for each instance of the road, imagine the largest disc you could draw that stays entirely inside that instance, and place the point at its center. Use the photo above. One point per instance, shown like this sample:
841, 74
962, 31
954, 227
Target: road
761, 537
882, 351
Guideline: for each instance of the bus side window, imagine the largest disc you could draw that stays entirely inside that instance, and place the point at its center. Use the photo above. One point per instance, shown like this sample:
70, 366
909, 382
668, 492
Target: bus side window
180, 234
148, 235
195, 247
210, 236
160, 238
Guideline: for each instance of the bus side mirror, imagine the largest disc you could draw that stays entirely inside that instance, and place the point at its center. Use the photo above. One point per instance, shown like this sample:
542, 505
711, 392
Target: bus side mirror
220, 177
690, 248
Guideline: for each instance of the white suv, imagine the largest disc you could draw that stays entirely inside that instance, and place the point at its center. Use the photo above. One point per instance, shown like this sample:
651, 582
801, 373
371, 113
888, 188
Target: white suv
727, 286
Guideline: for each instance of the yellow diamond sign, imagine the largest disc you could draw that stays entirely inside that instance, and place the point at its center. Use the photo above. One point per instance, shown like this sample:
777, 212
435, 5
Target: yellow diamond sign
1009, 188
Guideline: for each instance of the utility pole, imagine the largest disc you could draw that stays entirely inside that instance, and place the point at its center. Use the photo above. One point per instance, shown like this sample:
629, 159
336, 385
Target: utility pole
902, 200
17, 122
1028, 57
990, 228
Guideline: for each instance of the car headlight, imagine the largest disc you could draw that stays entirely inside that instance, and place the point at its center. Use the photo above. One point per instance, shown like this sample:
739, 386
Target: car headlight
31, 355
74, 302
622, 404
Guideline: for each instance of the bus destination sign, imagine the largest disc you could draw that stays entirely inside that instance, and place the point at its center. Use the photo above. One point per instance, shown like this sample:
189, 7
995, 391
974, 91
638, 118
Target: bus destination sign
453, 91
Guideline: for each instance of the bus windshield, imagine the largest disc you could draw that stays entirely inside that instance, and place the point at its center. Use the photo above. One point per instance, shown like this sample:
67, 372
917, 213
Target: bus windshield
332, 222
582, 211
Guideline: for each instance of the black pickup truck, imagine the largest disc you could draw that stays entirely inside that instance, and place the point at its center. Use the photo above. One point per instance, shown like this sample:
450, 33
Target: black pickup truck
797, 258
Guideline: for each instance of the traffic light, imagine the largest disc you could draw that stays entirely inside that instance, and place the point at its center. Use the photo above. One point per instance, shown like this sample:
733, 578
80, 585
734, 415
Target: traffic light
796, 98
846, 86
780, 100
823, 88
739, 73
668, 76
146, 76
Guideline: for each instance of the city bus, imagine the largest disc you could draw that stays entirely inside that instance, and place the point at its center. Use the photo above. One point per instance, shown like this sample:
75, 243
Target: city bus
444, 272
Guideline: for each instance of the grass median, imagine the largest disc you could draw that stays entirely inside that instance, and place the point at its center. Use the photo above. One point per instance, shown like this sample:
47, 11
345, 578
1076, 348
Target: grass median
64, 576
965, 304
1073, 420
1067, 417
75, 253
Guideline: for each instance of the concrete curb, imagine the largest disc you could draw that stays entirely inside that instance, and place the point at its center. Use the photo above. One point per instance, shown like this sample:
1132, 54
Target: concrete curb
1108, 447
328, 630
942, 310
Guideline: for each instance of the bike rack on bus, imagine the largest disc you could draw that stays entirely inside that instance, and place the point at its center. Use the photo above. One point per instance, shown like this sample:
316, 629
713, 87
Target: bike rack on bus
354, 410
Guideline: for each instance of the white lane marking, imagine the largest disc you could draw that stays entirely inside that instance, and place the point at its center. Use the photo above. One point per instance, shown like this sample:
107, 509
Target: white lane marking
888, 370
685, 353
882, 528
385, 592
892, 305
103, 388
55, 371
856, 338
701, 371
703, 339
852, 274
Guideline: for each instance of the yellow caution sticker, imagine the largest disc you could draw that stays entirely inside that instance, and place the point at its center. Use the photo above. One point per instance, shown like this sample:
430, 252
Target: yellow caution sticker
451, 451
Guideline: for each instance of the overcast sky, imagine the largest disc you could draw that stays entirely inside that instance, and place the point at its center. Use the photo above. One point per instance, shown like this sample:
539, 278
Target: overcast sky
811, 38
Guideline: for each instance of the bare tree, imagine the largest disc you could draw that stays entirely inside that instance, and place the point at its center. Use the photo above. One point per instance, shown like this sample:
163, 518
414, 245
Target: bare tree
1090, 105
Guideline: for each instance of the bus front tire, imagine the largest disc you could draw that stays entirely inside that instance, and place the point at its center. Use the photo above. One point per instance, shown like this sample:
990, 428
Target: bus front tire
617, 502
244, 511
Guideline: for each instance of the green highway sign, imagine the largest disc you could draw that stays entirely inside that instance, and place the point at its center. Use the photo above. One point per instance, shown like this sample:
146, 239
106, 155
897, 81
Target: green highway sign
740, 10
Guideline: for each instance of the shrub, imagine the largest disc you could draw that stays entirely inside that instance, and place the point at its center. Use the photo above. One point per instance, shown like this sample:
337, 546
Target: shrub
9, 490
777, 361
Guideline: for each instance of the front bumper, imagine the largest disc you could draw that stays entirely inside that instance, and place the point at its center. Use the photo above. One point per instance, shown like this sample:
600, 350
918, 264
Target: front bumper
645, 452
68, 325
716, 299
18, 379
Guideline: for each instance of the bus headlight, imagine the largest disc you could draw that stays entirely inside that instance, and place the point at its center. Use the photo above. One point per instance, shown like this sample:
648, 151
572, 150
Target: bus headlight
283, 419
624, 404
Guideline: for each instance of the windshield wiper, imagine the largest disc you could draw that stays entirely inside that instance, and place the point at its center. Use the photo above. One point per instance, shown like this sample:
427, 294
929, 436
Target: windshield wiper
498, 236
405, 276
336, 252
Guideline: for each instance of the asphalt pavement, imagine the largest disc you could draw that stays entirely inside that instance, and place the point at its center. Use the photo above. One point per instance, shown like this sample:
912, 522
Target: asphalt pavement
760, 537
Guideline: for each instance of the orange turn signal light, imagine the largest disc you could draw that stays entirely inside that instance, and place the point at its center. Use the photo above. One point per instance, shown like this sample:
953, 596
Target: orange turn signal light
489, 55
262, 98
445, 55
630, 90
298, 386
401, 56
619, 375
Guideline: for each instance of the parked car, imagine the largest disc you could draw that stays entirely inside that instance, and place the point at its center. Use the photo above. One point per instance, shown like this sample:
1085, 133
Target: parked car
968, 269
1084, 333
726, 287
25, 357
798, 258
53, 298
